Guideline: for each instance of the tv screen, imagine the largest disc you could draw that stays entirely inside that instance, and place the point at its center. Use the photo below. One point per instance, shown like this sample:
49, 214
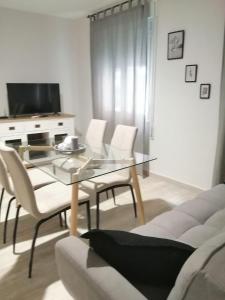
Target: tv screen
33, 98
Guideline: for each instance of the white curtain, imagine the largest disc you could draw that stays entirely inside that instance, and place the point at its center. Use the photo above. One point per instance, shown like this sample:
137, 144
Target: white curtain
121, 60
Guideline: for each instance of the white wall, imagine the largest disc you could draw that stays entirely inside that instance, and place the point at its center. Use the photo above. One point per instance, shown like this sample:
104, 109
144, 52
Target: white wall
83, 74
38, 48
186, 127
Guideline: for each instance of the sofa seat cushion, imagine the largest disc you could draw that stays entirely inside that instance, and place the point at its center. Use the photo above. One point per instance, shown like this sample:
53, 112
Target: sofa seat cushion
205, 205
150, 229
193, 222
198, 235
175, 222
217, 220
215, 195
199, 209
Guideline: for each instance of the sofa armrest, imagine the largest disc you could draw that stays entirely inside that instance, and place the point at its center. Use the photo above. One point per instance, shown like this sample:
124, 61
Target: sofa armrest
87, 276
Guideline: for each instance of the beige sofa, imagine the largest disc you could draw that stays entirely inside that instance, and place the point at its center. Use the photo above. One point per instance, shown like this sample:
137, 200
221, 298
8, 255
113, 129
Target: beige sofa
199, 223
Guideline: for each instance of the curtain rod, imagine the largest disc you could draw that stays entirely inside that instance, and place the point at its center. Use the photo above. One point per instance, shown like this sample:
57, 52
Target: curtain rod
109, 8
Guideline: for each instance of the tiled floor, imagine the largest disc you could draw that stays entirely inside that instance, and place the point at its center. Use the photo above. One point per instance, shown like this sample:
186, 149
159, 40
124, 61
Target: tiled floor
159, 195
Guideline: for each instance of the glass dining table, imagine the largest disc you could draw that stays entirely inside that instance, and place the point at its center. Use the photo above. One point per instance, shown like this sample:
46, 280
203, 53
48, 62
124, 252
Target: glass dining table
89, 161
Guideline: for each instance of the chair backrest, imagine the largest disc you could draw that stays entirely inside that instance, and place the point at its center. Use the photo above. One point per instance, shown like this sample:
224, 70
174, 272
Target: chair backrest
21, 182
122, 145
4, 178
95, 132
124, 138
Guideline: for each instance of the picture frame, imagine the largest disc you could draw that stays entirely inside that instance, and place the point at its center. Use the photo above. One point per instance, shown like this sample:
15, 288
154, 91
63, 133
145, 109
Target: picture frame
191, 72
205, 90
175, 47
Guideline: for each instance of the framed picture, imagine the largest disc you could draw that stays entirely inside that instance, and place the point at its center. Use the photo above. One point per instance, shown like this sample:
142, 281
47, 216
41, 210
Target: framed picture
205, 90
175, 46
191, 73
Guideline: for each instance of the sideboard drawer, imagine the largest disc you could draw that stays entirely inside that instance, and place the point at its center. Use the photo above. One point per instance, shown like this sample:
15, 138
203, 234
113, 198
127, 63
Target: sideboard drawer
37, 126
11, 128
62, 123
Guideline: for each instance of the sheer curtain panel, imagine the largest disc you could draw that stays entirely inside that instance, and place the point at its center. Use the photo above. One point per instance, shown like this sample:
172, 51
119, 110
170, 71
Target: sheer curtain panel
121, 58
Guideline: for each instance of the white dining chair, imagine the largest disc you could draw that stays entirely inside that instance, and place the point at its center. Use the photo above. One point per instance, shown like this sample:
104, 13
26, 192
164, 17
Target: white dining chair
42, 204
38, 180
94, 139
95, 133
122, 143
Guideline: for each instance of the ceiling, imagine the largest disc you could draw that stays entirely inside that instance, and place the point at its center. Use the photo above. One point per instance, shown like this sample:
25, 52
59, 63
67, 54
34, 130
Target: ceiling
61, 8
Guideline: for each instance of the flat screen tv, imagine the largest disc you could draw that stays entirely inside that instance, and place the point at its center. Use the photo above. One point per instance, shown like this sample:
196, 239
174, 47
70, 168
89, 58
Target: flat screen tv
33, 98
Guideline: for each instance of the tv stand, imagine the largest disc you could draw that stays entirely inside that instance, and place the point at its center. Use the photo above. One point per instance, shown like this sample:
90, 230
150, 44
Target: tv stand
15, 131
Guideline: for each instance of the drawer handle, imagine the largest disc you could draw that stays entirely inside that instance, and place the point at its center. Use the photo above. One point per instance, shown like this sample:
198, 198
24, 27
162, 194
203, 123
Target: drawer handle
12, 128
60, 124
37, 125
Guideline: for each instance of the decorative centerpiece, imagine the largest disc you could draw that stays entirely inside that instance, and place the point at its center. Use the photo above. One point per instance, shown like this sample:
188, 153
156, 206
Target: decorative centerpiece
70, 145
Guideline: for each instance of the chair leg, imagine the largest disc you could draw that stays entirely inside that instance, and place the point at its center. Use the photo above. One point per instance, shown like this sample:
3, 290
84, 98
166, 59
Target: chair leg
1, 198
15, 228
36, 229
60, 220
107, 194
134, 202
6, 220
97, 210
37, 226
114, 198
54, 169
65, 219
88, 215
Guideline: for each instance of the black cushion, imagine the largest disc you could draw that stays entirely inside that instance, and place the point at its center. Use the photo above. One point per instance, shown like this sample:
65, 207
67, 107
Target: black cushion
140, 258
153, 292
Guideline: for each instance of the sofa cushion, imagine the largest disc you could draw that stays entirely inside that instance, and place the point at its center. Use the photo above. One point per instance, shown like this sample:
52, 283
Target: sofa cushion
199, 209
215, 195
198, 235
139, 258
203, 271
175, 222
193, 222
205, 205
217, 220
150, 229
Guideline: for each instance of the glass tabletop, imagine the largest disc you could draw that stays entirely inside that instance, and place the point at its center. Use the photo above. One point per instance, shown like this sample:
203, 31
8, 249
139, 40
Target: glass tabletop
85, 163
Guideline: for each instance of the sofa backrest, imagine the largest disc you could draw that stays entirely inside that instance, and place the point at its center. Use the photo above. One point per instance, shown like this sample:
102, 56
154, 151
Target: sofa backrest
202, 276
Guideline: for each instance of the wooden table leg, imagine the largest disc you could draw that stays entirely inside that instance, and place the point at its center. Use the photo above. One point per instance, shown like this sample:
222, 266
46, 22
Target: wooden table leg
74, 209
138, 195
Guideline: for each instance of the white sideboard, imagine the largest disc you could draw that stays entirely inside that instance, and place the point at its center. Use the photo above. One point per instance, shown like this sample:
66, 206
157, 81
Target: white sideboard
30, 129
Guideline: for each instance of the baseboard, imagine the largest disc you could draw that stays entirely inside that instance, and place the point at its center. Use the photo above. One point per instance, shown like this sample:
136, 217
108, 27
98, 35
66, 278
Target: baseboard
178, 182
